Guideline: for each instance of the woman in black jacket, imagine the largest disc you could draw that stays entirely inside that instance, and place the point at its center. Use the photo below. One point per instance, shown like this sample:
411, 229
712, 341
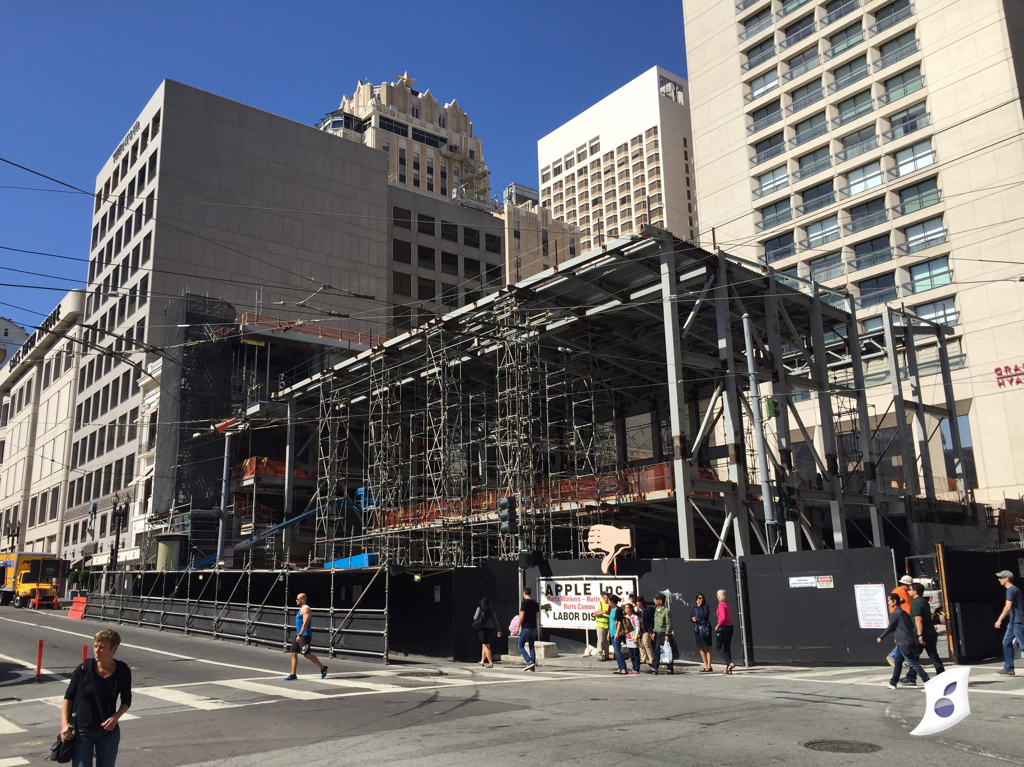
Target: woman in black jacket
901, 627
488, 624
90, 711
700, 615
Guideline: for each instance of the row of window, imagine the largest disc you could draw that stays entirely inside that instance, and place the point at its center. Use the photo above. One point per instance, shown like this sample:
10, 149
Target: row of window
118, 208
128, 267
819, 18
402, 219
43, 507
107, 398
106, 438
120, 172
580, 155
101, 482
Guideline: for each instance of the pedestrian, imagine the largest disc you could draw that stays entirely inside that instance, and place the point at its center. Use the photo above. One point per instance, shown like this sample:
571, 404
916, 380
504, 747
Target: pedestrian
601, 624
1013, 612
486, 623
902, 629
646, 614
661, 636
90, 710
700, 615
303, 639
724, 630
631, 631
924, 631
615, 633
901, 591
528, 611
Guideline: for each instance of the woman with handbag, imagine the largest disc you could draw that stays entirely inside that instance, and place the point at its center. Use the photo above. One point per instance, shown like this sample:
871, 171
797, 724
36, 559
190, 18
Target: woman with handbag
90, 712
661, 636
700, 615
630, 631
724, 630
616, 633
486, 623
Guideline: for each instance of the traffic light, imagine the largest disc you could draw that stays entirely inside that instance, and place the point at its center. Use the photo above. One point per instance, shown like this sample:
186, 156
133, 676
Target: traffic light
507, 516
785, 495
772, 407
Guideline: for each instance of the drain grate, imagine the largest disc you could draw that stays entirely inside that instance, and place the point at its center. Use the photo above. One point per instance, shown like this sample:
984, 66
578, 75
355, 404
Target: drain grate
421, 673
843, 746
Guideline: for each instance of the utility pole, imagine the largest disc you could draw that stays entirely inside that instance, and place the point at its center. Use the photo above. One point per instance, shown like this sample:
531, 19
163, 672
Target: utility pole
119, 515
771, 522
225, 489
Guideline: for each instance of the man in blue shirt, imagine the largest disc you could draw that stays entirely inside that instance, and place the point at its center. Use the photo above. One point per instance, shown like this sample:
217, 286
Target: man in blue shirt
1013, 612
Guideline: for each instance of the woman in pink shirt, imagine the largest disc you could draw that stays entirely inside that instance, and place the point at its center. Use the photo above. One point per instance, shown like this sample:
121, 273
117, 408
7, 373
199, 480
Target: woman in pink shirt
724, 629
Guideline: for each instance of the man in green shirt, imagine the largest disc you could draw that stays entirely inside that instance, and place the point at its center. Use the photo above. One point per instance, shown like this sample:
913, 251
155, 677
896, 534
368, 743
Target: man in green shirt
921, 615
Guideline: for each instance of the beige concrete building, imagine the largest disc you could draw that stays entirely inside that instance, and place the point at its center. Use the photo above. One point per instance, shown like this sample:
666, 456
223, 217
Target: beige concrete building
430, 146
38, 387
875, 146
624, 162
11, 337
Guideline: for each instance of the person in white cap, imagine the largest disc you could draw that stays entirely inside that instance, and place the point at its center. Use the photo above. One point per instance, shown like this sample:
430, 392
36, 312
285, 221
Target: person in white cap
1013, 612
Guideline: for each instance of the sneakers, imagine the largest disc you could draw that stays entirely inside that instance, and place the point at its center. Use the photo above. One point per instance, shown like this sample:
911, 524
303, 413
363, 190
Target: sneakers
891, 686
289, 678
908, 681
323, 672
652, 671
634, 672
1005, 672
530, 667
891, 661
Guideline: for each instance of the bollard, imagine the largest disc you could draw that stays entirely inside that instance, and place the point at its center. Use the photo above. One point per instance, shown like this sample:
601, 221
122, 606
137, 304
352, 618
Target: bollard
85, 653
39, 661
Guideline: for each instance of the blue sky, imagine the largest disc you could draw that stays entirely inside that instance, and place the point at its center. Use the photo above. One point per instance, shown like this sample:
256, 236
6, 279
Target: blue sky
73, 77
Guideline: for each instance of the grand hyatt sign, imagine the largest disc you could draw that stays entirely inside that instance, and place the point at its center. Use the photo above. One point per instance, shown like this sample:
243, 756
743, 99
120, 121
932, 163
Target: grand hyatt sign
30, 342
1007, 376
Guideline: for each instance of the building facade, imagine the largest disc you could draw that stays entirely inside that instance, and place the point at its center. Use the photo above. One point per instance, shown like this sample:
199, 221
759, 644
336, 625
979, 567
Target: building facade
429, 146
11, 337
875, 146
38, 389
624, 162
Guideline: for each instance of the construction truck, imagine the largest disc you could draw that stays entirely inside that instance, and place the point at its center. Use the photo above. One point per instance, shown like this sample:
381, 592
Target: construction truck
29, 579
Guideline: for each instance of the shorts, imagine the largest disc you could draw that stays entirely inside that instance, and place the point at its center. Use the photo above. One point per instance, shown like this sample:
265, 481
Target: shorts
301, 644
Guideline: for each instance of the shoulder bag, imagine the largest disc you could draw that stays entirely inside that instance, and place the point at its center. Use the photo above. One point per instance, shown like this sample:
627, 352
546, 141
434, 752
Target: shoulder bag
62, 751
478, 619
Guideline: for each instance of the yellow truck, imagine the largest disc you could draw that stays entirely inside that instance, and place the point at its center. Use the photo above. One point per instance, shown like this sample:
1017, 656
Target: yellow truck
29, 579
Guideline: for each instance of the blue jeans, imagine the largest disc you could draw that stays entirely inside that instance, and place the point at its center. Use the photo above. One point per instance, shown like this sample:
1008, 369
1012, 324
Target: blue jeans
620, 660
912, 662
1012, 630
99, 740
933, 656
528, 637
634, 656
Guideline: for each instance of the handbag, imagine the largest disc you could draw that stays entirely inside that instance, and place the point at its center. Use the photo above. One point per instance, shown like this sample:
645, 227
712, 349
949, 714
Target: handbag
666, 651
478, 620
62, 751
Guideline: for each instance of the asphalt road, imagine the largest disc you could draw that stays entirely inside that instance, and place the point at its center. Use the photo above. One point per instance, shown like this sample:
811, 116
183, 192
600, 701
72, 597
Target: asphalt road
198, 701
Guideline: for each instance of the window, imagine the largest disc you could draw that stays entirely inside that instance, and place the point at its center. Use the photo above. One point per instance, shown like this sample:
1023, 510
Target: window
773, 215
918, 196
74, 534
839, 8
877, 290
863, 178
942, 311
802, 63
892, 14
471, 267
897, 49
822, 231
854, 107
827, 267
903, 84
914, 158
817, 197
867, 215
544, 243
907, 121
426, 258
845, 39
401, 251
402, 218
768, 148
814, 162
799, 30
779, 247
32, 511
449, 263
401, 284
924, 235
393, 126
492, 243
494, 273
871, 252
67, 536
858, 143
772, 181
426, 289
103, 525
850, 73
471, 237
763, 84
806, 95
755, 24
449, 231
810, 128
450, 295
760, 53
426, 224
930, 274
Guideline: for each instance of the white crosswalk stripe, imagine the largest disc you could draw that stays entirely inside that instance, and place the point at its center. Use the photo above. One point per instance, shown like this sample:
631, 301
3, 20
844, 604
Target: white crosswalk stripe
8, 727
180, 697
13, 761
273, 691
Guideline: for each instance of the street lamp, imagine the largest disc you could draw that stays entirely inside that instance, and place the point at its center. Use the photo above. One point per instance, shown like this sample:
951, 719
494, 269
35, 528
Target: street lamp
119, 506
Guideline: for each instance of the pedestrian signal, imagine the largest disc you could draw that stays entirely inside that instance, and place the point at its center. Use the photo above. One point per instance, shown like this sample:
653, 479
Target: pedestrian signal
772, 407
507, 516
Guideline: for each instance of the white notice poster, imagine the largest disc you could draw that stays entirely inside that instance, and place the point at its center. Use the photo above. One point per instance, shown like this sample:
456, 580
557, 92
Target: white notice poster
872, 610
569, 602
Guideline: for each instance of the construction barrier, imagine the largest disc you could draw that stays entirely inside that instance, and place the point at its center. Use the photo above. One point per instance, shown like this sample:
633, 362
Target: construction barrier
77, 610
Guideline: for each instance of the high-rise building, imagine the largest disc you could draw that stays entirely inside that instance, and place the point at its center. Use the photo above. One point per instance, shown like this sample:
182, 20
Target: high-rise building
430, 146
875, 146
624, 162
11, 337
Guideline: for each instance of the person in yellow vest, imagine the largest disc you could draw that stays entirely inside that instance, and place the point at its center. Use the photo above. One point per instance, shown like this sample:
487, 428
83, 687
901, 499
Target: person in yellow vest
601, 622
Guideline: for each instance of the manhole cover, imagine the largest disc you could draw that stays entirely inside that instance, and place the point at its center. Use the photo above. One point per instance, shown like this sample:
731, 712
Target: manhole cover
842, 746
421, 673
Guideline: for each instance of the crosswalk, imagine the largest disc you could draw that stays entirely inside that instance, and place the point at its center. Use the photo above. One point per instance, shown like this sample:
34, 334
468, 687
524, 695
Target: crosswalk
18, 716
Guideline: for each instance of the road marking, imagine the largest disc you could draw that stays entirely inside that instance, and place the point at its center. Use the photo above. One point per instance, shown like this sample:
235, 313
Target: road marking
13, 761
376, 687
182, 698
9, 659
267, 689
8, 728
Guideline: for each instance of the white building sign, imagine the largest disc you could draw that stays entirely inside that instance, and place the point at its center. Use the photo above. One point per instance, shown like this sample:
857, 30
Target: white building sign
569, 602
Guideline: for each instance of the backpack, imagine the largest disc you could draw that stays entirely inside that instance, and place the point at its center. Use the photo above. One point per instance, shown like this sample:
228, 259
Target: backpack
513, 627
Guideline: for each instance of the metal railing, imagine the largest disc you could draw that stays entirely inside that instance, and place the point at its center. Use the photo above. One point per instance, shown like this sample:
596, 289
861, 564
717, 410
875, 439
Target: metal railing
777, 254
761, 191
764, 122
749, 32
899, 54
823, 238
767, 154
838, 13
849, 79
862, 186
891, 21
774, 220
852, 114
907, 127
855, 150
843, 47
801, 69
791, 6
866, 221
918, 202
754, 95
813, 168
876, 297
758, 60
918, 163
873, 258
907, 248
810, 134
805, 101
816, 204
800, 34
936, 280
911, 86
743, 5
824, 275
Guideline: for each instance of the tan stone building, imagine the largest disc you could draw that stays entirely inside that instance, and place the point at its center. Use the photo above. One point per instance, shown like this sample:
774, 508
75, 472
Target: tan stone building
430, 146
875, 146
623, 163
